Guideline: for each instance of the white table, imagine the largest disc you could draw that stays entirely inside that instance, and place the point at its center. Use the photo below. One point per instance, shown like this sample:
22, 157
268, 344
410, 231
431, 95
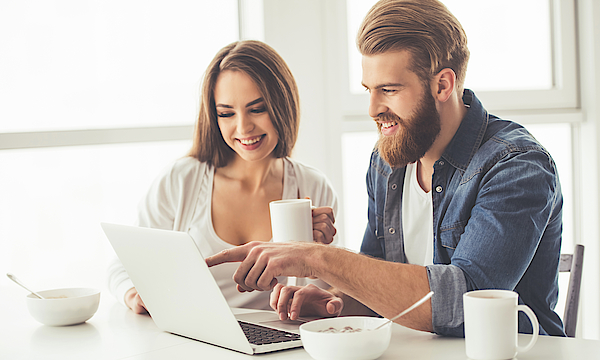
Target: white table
116, 333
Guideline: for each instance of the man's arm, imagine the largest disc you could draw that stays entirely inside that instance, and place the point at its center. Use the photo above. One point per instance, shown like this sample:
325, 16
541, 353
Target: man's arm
385, 287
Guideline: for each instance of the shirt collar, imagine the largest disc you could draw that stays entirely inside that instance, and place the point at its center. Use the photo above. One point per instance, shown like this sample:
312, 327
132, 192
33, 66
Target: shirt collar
469, 135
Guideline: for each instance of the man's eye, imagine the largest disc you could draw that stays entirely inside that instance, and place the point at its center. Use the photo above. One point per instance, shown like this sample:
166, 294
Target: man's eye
388, 91
225, 115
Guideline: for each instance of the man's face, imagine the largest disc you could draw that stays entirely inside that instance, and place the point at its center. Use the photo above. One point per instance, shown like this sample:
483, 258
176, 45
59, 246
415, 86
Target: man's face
402, 106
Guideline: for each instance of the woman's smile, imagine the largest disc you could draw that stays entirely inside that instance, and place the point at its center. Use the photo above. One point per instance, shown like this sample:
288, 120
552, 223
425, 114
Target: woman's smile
251, 143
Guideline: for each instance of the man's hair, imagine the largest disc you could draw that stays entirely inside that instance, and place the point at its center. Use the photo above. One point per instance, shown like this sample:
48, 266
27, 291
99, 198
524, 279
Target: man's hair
426, 28
274, 80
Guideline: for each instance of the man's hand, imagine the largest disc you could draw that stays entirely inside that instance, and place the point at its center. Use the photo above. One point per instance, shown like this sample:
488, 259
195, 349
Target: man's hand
294, 301
134, 302
323, 220
261, 263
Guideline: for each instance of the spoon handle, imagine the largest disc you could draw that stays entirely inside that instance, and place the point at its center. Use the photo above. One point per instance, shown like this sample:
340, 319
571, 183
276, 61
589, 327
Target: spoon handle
411, 308
18, 282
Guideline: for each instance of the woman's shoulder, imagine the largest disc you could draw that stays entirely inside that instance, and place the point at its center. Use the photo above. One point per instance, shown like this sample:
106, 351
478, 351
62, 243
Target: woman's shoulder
306, 171
185, 167
313, 183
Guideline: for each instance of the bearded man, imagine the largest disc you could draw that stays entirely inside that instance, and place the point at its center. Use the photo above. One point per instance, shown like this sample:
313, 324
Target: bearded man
459, 199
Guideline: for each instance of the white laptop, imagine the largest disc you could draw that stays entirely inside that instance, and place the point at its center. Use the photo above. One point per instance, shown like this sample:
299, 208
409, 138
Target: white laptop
183, 298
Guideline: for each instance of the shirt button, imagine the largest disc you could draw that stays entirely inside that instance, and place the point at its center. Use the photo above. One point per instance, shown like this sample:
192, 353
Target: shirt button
442, 163
438, 189
392, 231
394, 186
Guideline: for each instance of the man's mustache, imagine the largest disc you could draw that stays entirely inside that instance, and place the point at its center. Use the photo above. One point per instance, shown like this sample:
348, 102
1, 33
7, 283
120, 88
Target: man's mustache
387, 117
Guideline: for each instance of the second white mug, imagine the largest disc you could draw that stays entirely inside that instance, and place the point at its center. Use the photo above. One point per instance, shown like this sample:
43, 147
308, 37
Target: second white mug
491, 324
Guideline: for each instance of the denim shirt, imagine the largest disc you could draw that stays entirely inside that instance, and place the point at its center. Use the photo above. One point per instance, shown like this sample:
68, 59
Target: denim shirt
497, 219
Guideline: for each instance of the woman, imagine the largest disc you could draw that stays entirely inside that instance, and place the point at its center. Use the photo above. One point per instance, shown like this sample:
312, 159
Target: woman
220, 192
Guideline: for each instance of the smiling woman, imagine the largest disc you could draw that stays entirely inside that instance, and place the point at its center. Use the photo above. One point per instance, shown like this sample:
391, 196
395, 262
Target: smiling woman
238, 164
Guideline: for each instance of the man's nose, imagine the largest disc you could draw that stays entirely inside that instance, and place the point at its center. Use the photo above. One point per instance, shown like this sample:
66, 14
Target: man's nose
376, 105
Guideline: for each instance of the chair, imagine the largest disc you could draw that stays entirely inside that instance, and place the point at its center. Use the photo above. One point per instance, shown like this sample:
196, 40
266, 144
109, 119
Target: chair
572, 263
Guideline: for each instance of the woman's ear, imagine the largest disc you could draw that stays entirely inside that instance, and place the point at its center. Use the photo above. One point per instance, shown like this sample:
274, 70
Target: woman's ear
442, 85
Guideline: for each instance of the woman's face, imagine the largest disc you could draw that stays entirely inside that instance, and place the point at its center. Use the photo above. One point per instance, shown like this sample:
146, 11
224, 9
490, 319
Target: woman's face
243, 118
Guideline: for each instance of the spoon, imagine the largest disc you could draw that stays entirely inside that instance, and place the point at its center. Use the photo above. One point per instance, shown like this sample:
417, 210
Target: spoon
411, 308
14, 278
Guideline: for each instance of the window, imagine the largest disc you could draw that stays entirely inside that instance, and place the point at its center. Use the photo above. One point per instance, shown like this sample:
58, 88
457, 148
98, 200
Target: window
522, 59
106, 64
100, 96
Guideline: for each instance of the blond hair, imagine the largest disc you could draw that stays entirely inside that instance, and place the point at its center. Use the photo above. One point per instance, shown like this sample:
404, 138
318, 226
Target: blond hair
426, 28
276, 84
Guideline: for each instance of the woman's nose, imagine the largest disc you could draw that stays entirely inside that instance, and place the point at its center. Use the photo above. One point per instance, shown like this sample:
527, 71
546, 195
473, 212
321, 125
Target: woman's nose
245, 124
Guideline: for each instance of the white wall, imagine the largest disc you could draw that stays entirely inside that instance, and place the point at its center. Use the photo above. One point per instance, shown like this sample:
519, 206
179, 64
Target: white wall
298, 30
589, 165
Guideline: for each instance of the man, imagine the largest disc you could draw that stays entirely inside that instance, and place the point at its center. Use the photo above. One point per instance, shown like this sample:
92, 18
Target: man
488, 187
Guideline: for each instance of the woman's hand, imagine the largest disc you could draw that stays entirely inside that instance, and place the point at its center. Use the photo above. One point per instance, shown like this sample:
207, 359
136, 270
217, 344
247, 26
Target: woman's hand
291, 302
323, 220
134, 302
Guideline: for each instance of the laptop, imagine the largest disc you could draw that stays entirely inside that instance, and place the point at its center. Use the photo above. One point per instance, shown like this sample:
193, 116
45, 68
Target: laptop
183, 298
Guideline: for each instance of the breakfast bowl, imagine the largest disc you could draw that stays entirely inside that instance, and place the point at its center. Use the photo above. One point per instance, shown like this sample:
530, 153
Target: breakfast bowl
61, 307
348, 338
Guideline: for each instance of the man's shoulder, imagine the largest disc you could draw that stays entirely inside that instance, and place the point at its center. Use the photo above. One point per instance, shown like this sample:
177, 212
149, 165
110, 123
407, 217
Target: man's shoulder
506, 136
504, 140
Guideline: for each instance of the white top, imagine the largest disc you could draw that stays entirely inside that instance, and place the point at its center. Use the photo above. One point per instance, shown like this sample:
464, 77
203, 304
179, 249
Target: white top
417, 220
180, 199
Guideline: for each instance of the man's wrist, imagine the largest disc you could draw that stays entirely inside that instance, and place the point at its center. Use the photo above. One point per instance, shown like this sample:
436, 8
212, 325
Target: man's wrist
316, 258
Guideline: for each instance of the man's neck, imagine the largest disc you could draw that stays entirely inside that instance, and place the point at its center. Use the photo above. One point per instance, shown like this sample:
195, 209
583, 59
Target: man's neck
451, 114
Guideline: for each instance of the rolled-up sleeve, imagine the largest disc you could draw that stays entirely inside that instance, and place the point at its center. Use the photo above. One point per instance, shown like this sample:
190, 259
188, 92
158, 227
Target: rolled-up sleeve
447, 282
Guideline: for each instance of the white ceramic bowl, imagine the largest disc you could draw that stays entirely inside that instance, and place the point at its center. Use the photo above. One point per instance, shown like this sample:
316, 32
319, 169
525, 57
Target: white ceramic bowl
362, 345
64, 306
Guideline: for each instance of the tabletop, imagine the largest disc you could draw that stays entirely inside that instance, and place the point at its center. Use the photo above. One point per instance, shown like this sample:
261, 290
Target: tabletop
115, 332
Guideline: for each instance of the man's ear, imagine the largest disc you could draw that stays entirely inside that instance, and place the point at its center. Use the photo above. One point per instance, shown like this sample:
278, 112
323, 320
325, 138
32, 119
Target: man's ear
442, 85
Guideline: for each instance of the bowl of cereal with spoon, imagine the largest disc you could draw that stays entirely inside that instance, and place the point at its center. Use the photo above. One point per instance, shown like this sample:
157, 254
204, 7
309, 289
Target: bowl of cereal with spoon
61, 307
347, 337
351, 337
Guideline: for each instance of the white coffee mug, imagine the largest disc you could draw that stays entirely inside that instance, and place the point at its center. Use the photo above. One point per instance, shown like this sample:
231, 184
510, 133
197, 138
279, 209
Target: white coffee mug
291, 220
491, 324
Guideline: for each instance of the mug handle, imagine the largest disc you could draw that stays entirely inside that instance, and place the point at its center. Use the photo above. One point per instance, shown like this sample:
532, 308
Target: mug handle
534, 324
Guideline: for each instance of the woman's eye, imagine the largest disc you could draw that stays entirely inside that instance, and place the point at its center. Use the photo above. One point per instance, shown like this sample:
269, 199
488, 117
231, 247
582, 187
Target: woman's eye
225, 115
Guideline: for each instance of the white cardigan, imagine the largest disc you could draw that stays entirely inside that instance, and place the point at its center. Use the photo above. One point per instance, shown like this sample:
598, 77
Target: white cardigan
180, 199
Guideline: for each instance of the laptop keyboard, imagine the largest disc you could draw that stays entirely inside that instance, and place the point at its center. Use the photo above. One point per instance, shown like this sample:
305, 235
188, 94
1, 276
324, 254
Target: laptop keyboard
260, 335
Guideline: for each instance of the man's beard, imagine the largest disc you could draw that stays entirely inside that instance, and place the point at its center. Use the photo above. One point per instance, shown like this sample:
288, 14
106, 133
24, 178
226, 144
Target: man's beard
414, 136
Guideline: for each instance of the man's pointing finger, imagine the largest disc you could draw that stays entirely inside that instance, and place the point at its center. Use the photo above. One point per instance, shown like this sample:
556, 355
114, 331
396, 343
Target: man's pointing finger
236, 254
